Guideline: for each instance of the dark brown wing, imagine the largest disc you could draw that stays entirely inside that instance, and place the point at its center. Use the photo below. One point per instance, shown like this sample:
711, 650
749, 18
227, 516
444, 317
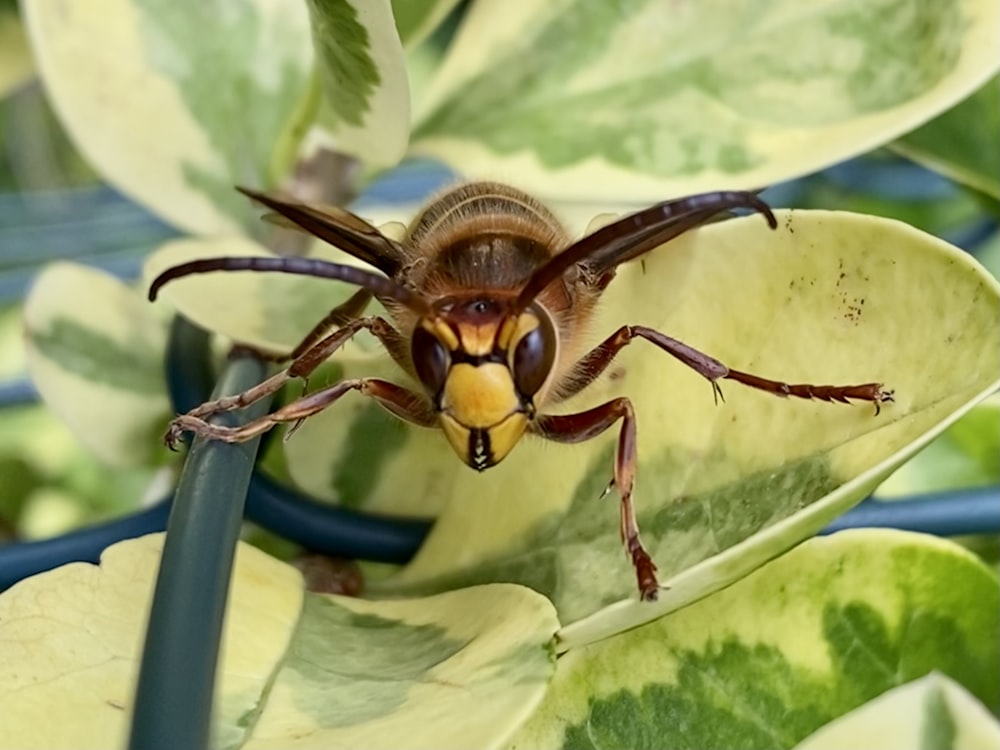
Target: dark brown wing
634, 235
340, 228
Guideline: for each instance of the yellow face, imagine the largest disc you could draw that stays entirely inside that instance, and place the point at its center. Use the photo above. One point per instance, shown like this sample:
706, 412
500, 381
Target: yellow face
483, 376
481, 413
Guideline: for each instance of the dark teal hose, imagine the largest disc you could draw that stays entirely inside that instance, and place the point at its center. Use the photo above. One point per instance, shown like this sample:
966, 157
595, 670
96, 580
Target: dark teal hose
173, 700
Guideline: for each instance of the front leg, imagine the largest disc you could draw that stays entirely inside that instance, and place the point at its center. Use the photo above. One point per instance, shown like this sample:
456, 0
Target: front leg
576, 428
302, 367
401, 402
597, 360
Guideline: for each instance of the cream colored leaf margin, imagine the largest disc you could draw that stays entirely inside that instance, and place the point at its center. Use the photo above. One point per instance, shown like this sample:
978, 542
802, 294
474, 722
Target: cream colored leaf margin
70, 641
693, 97
912, 717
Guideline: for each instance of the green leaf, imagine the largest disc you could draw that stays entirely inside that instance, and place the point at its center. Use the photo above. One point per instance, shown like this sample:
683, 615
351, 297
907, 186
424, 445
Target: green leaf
16, 65
296, 667
95, 352
967, 454
769, 660
962, 142
11, 351
20, 479
51, 483
33, 433
643, 99
933, 712
201, 94
721, 488
989, 254
362, 71
416, 19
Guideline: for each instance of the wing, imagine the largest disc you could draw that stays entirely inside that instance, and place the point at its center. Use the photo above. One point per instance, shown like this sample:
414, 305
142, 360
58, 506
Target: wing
339, 227
637, 234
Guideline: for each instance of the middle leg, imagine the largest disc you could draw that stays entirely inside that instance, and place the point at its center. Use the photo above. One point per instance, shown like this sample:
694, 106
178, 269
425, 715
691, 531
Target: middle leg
302, 367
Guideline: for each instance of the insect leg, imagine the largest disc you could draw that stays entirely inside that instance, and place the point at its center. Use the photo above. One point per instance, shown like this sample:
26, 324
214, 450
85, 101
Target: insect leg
597, 360
400, 401
302, 367
575, 428
307, 361
342, 314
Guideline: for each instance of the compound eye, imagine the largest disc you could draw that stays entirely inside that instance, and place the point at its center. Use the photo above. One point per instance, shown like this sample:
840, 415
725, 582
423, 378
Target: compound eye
533, 356
430, 359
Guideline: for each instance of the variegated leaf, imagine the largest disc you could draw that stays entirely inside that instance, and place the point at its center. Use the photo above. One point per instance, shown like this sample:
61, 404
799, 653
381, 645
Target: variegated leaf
298, 669
932, 712
174, 101
721, 488
362, 72
645, 99
783, 652
95, 353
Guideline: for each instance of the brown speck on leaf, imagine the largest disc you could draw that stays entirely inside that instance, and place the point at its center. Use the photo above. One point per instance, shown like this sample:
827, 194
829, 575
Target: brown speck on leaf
616, 374
115, 704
